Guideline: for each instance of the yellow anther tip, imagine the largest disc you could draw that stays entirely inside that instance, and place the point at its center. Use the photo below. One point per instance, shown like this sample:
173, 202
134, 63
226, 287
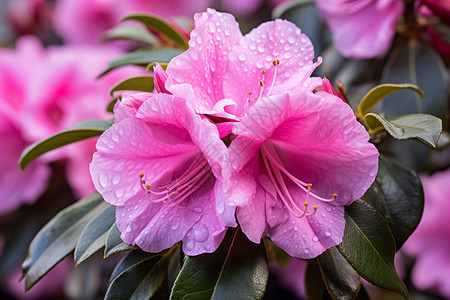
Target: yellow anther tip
315, 207
309, 185
306, 204
276, 62
263, 72
249, 93
141, 175
148, 186
334, 195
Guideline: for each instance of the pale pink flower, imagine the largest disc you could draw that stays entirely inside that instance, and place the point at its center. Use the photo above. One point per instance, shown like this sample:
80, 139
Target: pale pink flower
361, 28
430, 242
161, 165
284, 136
94, 17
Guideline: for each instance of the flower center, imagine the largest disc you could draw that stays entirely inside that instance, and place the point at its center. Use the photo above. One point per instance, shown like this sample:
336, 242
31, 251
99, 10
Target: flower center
277, 174
180, 188
249, 101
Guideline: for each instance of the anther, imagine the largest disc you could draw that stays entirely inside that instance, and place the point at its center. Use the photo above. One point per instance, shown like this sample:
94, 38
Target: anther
276, 62
141, 175
250, 93
261, 82
263, 72
148, 186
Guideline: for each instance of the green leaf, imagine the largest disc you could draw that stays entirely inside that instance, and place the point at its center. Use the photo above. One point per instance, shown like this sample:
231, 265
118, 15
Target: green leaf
380, 92
142, 58
314, 285
398, 195
139, 275
369, 247
83, 130
129, 32
158, 24
138, 83
342, 282
114, 243
238, 269
420, 65
93, 237
426, 128
59, 237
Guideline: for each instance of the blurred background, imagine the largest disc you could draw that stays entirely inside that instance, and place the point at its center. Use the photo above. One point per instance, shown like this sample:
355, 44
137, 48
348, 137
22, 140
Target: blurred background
53, 51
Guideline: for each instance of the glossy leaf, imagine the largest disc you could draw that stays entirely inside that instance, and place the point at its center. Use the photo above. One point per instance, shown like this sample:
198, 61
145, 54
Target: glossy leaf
420, 65
129, 32
369, 247
138, 276
138, 83
398, 195
342, 282
83, 130
314, 285
114, 243
158, 24
142, 58
380, 92
59, 237
93, 237
426, 128
237, 269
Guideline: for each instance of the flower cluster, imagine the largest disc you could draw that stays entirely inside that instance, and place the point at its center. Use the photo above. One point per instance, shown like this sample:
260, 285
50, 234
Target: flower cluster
237, 133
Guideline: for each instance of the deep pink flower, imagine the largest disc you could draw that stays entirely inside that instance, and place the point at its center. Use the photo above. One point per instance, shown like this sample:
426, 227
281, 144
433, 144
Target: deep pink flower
61, 91
430, 243
161, 165
94, 17
17, 187
282, 132
361, 28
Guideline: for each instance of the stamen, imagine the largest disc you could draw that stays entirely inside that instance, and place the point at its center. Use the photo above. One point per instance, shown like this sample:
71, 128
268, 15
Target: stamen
275, 63
275, 171
180, 188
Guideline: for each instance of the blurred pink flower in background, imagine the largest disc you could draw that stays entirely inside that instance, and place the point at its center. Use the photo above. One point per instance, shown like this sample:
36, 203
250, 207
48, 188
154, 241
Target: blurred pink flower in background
44, 91
292, 276
29, 16
83, 21
430, 243
361, 28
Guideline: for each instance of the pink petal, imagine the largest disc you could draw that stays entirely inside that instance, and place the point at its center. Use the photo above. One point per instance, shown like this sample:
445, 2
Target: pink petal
276, 40
361, 29
212, 40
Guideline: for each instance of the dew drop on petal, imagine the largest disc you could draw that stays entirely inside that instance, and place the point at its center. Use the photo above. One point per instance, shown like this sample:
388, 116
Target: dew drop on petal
306, 251
128, 229
220, 207
291, 40
328, 208
227, 32
327, 233
175, 223
261, 48
201, 232
116, 179
198, 209
242, 57
315, 239
190, 245
103, 179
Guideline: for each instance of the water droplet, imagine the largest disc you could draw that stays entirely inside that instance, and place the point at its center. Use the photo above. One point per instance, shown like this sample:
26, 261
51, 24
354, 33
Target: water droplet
259, 65
114, 136
287, 55
291, 40
242, 57
212, 27
119, 192
198, 209
328, 208
175, 223
116, 179
128, 229
136, 207
323, 214
227, 32
295, 228
306, 251
261, 48
103, 179
201, 232
220, 207
190, 245
199, 39
327, 233
315, 239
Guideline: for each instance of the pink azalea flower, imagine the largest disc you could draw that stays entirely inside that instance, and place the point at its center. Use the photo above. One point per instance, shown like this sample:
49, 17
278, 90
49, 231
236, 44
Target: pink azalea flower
284, 136
17, 187
430, 243
361, 28
161, 165
61, 91
94, 17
